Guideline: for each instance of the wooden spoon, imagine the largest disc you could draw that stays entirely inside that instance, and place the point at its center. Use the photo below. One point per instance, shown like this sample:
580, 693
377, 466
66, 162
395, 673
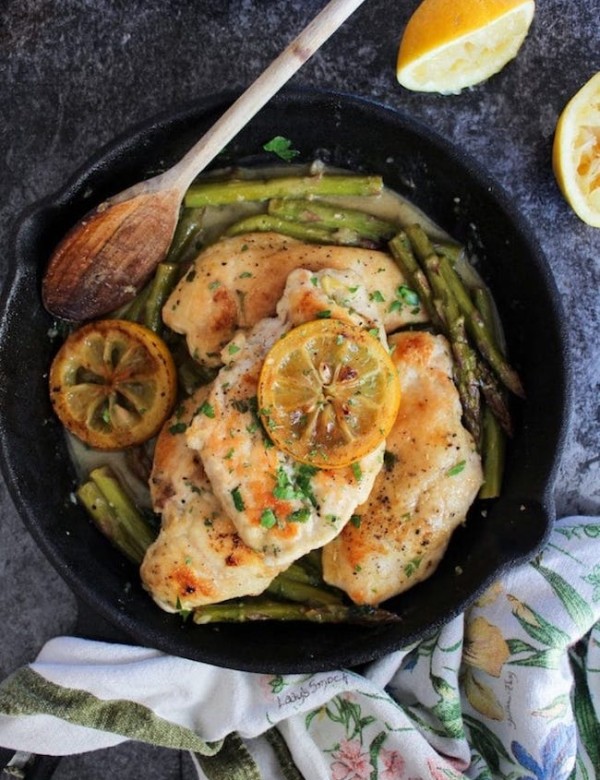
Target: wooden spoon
105, 259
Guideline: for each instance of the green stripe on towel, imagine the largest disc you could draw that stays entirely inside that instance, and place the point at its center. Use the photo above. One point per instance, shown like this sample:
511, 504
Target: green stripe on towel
233, 762
28, 693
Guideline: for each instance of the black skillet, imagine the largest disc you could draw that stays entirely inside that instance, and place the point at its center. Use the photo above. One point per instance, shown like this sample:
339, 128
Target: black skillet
447, 185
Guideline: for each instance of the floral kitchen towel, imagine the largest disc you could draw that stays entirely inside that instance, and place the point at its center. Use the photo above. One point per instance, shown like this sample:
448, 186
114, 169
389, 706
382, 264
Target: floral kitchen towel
509, 690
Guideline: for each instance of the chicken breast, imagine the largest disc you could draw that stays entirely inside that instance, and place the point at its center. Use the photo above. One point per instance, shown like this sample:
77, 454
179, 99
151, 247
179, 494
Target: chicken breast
430, 478
281, 508
198, 557
236, 282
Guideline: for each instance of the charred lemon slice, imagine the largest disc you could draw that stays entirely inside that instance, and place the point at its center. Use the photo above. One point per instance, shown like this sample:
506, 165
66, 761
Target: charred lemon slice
113, 384
328, 393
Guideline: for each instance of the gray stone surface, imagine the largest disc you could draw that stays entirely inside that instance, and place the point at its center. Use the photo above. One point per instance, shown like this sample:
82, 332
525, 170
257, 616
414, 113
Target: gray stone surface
77, 72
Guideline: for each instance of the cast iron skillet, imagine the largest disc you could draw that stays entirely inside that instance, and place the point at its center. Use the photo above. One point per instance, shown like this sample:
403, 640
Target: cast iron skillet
440, 178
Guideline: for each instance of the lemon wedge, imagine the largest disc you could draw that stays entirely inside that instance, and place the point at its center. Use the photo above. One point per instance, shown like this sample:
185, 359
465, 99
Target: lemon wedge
452, 44
576, 152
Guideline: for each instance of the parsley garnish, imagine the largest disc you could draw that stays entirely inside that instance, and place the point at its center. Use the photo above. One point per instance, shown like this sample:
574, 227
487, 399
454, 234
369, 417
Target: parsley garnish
298, 487
284, 488
409, 296
179, 427
303, 477
456, 469
268, 518
282, 147
238, 501
412, 566
300, 515
206, 409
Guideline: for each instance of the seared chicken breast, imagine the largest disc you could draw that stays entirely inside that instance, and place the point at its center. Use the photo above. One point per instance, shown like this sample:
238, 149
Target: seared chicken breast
281, 508
198, 557
238, 281
431, 476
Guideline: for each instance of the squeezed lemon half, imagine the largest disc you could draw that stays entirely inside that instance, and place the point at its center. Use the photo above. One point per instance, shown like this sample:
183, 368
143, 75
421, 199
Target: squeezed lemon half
576, 152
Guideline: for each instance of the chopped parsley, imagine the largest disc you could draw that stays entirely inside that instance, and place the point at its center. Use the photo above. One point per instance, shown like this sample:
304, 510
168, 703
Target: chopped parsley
356, 520
452, 472
284, 488
303, 477
206, 409
300, 515
268, 518
282, 147
411, 567
297, 487
179, 427
405, 296
238, 501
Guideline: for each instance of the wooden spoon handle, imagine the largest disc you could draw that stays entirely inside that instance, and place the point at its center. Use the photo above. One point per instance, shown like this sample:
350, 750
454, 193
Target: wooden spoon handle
262, 90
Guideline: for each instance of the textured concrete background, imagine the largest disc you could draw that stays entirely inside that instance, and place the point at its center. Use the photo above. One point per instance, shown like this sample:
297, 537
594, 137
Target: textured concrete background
77, 72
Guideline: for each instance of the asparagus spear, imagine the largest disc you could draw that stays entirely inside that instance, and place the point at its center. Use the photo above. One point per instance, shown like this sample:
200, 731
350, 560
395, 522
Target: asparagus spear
133, 311
291, 590
404, 257
266, 223
483, 338
300, 572
493, 438
186, 232
115, 514
479, 331
364, 226
492, 449
160, 288
207, 192
466, 373
269, 609
444, 315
